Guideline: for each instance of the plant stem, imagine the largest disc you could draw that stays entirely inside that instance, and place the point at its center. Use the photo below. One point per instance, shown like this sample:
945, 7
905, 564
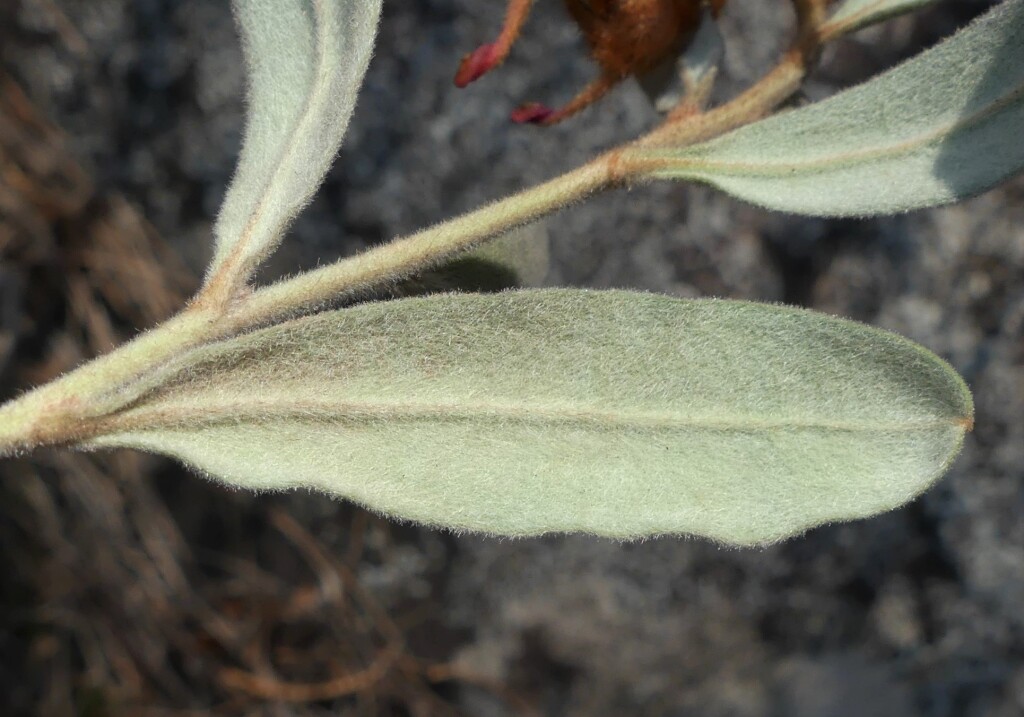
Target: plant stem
430, 247
403, 257
756, 102
62, 411
778, 85
66, 409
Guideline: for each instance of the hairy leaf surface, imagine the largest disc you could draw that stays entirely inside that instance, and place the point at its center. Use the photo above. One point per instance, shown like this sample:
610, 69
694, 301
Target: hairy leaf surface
614, 413
306, 61
942, 127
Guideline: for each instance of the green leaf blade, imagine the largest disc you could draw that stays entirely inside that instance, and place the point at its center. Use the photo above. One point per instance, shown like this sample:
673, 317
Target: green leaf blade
306, 60
611, 413
945, 126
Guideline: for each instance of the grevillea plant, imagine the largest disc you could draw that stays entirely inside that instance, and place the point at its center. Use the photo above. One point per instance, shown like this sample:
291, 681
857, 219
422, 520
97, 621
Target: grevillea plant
610, 412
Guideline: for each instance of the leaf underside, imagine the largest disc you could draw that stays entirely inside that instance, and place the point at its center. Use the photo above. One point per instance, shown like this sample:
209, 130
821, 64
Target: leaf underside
306, 60
613, 413
945, 126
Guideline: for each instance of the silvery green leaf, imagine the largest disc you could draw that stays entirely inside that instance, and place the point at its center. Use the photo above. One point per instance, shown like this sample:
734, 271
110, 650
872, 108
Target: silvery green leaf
524, 252
518, 259
942, 127
615, 413
853, 15
306, 60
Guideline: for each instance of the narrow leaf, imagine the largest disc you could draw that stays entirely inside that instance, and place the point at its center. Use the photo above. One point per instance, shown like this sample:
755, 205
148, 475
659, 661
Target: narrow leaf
942, 127
614, 413
852, 15
306, 61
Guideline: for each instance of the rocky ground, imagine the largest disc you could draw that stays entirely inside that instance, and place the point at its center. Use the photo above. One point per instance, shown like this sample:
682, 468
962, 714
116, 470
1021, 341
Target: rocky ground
132, 587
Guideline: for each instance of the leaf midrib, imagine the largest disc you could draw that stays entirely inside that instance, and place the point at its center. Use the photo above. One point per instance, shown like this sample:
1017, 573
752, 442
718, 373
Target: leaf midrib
147, 419
847, 159
242, 251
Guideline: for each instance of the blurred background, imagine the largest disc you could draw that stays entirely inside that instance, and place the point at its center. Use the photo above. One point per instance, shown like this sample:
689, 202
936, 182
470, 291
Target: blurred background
131, 587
